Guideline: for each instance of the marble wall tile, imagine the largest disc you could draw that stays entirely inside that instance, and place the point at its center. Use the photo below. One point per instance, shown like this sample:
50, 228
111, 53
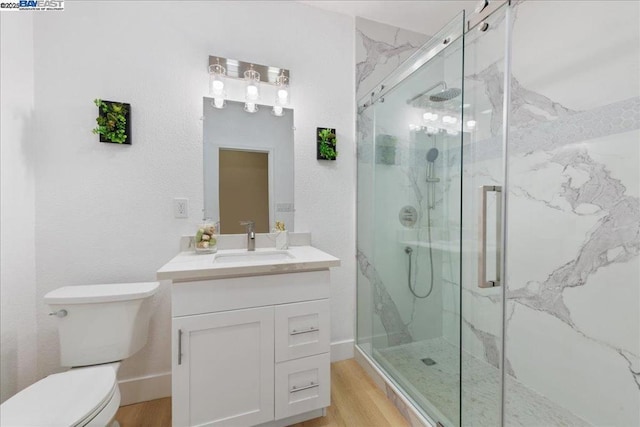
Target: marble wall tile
380, 49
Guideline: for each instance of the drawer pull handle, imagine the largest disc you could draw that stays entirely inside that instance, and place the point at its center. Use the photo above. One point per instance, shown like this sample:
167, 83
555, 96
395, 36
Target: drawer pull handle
179, 346
306, 387
304, 331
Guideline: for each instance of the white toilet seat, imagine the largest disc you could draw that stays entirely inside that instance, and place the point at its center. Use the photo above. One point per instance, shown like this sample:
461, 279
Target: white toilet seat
78, 397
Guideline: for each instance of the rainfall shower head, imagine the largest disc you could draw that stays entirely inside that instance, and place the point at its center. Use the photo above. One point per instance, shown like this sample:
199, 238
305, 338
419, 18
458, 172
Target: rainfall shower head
432, 155
445, 95
421, 100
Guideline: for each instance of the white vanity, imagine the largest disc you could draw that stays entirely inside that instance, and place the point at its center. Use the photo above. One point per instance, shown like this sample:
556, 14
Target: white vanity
250, 335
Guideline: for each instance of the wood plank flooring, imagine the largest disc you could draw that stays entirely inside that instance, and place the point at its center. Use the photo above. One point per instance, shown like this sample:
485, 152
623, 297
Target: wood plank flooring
355, 402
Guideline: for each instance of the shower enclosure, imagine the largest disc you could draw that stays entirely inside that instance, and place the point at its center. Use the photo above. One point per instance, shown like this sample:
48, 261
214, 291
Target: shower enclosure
498, 219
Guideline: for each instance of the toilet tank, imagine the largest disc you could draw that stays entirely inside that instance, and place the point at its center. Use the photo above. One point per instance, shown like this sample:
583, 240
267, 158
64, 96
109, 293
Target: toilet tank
101, 323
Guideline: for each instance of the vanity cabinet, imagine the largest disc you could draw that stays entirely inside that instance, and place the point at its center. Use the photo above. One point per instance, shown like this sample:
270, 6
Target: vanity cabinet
252, 350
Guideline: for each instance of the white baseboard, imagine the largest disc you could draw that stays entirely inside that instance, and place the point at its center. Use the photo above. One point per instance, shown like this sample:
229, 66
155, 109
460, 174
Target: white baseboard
341, 350
142, 389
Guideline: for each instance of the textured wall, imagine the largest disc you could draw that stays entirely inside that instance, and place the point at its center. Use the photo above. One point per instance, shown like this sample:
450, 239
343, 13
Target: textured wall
17, 262
104, 212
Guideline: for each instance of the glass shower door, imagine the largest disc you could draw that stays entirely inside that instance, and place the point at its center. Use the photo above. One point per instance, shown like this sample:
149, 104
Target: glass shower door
485, 61
414, 221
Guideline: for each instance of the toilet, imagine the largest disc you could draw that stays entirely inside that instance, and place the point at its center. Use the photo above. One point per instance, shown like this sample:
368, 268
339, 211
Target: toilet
98, 325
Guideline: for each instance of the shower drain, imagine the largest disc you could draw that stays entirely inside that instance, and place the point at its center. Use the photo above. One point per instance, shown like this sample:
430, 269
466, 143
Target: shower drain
428, 361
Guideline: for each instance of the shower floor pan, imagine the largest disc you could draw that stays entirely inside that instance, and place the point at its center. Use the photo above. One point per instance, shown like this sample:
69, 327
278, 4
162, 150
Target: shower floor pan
436, 386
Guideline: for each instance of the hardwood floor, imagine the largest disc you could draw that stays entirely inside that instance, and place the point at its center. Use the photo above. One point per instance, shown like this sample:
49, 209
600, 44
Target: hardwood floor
355, 402
154, 413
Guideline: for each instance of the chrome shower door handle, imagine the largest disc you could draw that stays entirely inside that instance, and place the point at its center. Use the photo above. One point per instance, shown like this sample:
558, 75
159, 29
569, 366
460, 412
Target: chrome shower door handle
482, 237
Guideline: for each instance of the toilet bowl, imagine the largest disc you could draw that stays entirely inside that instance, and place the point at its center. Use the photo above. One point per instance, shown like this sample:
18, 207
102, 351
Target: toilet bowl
98, 325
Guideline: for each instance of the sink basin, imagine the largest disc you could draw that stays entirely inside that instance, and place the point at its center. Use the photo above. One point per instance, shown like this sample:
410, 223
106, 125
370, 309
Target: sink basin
250, 257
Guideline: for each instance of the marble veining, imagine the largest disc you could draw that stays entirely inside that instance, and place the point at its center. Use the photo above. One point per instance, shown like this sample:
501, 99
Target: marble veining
380, 48
383, 305
618, 229
378, 52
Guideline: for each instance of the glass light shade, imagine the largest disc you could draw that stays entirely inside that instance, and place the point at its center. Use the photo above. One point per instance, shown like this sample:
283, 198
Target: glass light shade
252, 88
219, 103
216, 78
277, 111
250, 107
283, 91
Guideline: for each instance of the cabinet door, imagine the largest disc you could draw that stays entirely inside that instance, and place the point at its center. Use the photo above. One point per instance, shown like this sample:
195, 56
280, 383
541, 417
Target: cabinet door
223, 368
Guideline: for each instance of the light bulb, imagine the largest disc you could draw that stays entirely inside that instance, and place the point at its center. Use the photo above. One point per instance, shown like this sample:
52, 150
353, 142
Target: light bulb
471, 124
278, 111
283, 94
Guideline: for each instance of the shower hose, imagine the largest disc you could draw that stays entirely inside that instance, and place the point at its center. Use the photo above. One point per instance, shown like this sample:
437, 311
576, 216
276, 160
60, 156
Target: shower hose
408, 251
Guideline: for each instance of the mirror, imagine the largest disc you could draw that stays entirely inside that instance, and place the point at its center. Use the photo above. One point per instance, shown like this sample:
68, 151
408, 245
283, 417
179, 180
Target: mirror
248, 167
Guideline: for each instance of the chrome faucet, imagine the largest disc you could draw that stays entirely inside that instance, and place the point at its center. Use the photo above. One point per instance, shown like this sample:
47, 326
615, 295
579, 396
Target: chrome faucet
251, 234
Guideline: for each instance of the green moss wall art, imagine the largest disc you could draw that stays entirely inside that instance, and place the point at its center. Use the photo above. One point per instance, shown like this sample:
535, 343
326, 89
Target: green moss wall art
114, 121
326, 142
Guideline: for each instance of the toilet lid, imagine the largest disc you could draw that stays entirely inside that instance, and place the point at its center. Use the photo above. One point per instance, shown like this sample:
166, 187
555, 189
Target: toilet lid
64, 399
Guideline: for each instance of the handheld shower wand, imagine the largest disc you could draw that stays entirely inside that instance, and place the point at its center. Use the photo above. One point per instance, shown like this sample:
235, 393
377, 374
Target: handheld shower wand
431, 179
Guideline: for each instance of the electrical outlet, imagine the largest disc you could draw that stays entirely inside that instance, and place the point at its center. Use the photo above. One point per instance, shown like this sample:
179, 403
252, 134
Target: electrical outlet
181, 208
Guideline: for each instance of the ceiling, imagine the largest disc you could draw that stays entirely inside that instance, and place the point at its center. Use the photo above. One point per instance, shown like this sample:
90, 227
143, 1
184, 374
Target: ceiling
425, 17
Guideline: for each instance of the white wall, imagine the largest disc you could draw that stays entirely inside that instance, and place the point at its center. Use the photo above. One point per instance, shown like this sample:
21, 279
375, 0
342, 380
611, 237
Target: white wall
17, 262
104, 211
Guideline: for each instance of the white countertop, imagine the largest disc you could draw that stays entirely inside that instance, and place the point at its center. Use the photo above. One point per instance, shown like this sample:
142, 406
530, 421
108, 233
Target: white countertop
194, 266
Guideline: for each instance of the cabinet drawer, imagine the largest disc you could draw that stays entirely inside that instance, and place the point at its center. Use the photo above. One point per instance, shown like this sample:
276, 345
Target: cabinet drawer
302, 385
301, 329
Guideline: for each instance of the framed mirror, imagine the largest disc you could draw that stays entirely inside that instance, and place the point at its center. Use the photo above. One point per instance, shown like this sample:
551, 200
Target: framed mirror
248, 167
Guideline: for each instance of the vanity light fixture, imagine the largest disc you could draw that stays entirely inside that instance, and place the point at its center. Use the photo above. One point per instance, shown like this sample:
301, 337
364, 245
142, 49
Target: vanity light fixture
223, 72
